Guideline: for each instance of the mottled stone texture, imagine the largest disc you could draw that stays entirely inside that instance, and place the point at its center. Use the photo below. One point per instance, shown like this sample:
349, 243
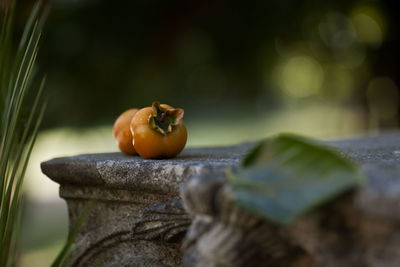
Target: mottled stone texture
138, 218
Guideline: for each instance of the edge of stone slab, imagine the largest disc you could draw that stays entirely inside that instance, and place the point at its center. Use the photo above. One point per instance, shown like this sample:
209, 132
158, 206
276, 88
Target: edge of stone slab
116, 170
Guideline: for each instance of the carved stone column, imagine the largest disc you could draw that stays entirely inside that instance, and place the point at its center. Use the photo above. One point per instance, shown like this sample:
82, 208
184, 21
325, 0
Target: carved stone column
137, 218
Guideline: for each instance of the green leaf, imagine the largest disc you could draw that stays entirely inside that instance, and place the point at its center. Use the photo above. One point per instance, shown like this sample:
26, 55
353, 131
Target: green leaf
286, 176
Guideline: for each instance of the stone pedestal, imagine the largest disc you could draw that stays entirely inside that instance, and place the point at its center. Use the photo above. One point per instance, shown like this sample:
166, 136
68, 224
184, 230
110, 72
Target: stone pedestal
138, 218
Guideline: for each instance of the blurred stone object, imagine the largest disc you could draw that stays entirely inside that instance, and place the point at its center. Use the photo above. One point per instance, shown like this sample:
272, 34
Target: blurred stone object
222, 234
359, 228
138, 218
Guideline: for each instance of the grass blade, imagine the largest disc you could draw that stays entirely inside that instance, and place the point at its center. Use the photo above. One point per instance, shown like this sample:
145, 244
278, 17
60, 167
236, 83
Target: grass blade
16, 138
62, 256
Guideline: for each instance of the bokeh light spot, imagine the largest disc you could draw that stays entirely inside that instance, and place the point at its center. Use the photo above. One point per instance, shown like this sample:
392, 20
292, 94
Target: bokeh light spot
336, 30
301, 76
368, 31
369, 25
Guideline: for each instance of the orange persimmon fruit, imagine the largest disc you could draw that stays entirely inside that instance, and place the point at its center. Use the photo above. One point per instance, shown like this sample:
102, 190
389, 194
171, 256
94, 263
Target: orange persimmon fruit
122, 132
158, 131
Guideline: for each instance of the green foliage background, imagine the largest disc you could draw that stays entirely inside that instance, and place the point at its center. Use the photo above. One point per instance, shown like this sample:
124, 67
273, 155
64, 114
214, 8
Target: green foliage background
211, 57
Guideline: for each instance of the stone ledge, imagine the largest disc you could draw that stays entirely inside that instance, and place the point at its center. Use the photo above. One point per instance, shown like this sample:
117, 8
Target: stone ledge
118, 171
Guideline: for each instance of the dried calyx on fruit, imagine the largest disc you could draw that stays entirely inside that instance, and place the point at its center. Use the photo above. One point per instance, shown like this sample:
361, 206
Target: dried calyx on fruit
163, 119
